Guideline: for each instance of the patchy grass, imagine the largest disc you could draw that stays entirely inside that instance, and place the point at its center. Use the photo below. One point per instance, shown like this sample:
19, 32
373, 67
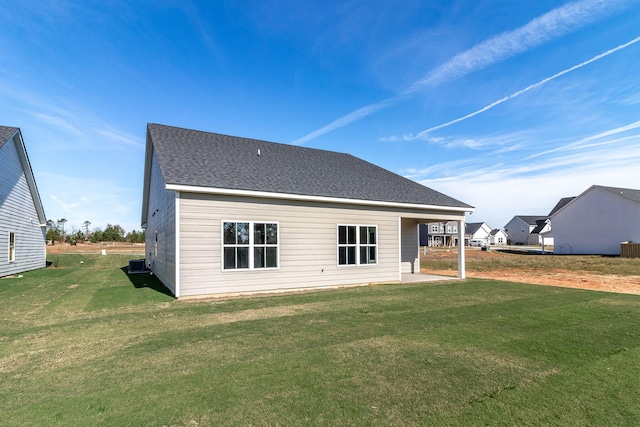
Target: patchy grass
83, 344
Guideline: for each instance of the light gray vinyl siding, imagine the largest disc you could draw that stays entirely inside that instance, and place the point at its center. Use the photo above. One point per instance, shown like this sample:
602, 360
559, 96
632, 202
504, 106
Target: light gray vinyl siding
18, 214
161, 220
307, 246
596, 222
410, 262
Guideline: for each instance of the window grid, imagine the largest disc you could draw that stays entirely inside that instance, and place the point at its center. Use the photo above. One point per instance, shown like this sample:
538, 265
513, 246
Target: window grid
12, 246
357, 245
249, 245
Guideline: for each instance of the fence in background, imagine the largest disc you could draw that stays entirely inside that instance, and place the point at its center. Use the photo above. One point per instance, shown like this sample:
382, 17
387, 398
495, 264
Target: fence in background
630, 250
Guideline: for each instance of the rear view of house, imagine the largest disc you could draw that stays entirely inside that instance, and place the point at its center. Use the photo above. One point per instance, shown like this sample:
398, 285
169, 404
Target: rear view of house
225, 214
596, 221
22, 219
521, 230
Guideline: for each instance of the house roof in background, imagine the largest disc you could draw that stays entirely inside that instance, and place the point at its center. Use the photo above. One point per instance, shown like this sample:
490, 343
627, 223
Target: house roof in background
215, 161
8, 133
530, 219
629, 194
561, 204
472, 227
539, 226
626, 193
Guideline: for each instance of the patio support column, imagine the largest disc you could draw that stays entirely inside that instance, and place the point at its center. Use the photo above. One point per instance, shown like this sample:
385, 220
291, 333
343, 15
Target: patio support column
461, 267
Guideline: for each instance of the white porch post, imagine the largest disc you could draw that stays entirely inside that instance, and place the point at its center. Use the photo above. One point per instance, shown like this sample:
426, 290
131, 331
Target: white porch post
461, 267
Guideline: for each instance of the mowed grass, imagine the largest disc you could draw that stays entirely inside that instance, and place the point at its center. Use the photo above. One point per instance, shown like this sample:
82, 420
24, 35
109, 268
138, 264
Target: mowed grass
85, 344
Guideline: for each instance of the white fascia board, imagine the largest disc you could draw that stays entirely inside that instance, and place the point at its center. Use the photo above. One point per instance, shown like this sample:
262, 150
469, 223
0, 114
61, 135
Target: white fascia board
323, 199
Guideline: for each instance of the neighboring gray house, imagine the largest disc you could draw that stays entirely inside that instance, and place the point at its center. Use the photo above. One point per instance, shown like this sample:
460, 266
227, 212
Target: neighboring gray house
22, 219
520, 230
439, 234
596, 221
225, 214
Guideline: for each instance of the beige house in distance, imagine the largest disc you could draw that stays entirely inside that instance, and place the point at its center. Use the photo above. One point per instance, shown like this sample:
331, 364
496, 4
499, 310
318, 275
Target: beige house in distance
225, 214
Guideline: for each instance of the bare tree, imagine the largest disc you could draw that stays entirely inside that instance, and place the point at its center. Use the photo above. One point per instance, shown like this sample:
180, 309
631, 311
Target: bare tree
61, 222
86, 225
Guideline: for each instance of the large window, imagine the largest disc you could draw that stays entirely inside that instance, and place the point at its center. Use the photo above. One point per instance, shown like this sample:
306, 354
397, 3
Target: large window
12, 246
249, 245
357, 244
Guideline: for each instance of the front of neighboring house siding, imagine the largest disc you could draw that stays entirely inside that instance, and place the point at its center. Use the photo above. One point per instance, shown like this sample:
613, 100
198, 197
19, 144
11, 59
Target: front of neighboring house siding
18, 215
307, 246
595, 223
161, 223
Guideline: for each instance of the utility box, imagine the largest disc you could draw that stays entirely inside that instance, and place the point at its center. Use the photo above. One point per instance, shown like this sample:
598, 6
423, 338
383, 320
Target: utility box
137, 266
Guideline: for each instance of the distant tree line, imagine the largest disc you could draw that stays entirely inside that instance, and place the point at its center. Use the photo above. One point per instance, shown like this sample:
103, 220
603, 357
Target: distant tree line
56, 233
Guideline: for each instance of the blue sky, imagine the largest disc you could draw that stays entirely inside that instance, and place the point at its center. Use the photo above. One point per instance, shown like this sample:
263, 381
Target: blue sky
505, 105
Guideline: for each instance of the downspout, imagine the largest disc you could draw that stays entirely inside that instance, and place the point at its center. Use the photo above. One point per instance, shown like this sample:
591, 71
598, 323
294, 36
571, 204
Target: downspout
177, 243
399, 249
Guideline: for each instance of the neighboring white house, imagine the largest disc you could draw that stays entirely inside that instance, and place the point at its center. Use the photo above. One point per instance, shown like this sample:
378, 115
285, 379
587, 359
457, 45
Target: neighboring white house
597, 221
498, 237
22, 219
225, 214
477, 231
544, 229
520, 230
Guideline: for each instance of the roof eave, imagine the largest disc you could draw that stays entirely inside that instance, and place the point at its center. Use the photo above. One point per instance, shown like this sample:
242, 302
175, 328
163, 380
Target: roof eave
321, 199
28, 171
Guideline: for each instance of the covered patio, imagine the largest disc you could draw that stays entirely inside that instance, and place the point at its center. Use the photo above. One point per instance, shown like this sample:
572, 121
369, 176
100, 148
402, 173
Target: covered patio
410, 246
423, 277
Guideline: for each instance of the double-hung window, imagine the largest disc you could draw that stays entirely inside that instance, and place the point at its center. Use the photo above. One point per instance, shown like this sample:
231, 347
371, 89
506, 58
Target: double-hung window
12, 246
357, 244
249, 245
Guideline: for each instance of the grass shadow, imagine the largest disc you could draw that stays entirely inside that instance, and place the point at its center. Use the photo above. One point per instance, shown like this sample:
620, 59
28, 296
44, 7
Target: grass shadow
146, 280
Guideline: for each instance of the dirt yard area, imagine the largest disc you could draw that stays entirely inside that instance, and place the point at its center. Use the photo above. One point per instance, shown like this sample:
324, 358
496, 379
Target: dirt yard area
548, 277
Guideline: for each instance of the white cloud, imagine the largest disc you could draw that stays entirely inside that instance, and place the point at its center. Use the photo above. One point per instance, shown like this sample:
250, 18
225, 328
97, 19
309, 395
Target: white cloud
553, 24
345, 120
119, 137
423, 133
586, 142
534, 186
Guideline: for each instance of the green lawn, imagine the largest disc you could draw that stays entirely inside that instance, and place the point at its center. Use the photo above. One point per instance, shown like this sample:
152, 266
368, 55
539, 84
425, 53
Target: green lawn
84, 344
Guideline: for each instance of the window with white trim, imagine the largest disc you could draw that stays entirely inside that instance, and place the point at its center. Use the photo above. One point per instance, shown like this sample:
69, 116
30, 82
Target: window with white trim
357, 244
249, 245
155, 244
12, 246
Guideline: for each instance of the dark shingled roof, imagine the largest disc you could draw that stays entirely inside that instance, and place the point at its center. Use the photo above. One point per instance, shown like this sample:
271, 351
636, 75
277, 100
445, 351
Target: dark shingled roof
472, 227
561, 204
6, 132
531, 220
211, 160
627, 193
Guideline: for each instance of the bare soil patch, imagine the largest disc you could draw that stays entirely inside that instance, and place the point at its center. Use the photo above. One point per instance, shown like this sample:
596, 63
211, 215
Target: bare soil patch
538, 276
97, 248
